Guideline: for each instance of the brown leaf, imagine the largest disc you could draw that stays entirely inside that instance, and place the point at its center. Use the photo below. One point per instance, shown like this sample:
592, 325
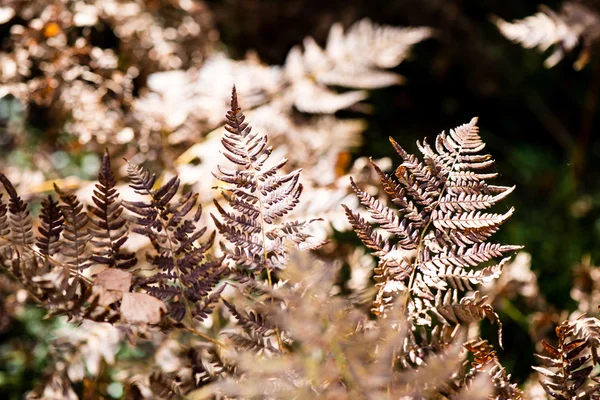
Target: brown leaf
110, 285
141, 308
114, 279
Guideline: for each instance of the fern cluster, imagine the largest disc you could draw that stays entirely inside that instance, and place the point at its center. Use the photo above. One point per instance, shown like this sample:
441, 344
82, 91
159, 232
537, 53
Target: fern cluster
284, 329
73, 239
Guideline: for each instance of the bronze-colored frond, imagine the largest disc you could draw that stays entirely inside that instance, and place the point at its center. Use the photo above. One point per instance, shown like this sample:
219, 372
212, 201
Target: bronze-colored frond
51, 227
259, 196
184, 278
438, 228
567, 370
76, 234
576, 23
21, 228
486, 361
110, 228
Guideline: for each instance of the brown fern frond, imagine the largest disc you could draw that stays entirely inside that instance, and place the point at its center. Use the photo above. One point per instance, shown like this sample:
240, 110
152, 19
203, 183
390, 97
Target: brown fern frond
366, 234
406, 231
110, 228
355, 59
165, 387
184, 278
4, 221
415, 350
255, 332
575, 24
259, 196
199, 365
469, 309
21, 228
486, 361
441, 212
51, 227
251, 321
51, 282
76, 234
567, 370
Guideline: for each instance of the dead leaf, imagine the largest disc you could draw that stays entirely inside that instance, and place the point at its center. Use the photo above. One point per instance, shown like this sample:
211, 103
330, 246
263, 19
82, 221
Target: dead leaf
110, 285
114, 279
141, 308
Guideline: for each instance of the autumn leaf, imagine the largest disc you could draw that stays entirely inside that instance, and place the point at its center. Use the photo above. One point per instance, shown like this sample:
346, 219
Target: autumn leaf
110, 285
141, 308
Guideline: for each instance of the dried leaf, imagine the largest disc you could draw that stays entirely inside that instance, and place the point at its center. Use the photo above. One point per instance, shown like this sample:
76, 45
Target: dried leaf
141, 308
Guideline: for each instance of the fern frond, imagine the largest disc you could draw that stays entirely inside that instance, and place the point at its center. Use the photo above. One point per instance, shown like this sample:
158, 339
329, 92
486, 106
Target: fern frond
110, 232
486, 361
366, 234
416, 350
259, 196
251, 321
469, 309
575, 23
252, 342
406, 231
566, 369
51, 227
4, 221
21, 228
184, 278
441, 212
76, 235
472, 202
55, 283
356, 59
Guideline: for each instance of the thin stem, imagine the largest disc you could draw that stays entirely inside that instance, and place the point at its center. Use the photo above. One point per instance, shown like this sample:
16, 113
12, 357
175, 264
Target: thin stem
205, 336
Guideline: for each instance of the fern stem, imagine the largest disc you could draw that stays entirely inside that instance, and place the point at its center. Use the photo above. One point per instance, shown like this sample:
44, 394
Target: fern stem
205, 336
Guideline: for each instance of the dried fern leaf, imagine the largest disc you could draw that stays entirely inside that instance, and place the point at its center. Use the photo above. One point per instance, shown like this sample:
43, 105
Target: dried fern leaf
566, 372
76, 234
184, 277
259, 195
575, 23
110, 228
50, 228
21, 229
440, 212
17, 253
486, 362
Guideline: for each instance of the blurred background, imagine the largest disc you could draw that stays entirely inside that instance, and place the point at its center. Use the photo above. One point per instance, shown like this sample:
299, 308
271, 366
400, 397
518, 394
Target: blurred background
135, 77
